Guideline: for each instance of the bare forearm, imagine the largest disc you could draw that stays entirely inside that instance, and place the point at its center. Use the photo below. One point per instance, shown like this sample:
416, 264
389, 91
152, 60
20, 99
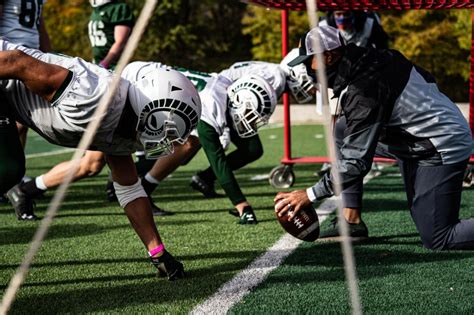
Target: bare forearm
121, 34
10, 61
39, 77
114, 53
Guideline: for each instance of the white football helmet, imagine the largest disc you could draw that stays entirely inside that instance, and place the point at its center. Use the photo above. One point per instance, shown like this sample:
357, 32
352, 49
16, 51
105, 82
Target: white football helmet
251, 101
299, 82
98, 3
168, 109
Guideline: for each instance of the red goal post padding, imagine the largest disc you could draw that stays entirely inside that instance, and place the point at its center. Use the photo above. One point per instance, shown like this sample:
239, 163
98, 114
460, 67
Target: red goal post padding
368, 4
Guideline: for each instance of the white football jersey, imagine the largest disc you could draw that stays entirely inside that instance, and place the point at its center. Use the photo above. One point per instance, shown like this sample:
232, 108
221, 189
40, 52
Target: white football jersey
19, 22
64, 121
211, 86
271, 72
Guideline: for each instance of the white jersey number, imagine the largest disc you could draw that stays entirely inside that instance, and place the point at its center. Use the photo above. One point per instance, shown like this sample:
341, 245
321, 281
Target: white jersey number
30, 13
96, 34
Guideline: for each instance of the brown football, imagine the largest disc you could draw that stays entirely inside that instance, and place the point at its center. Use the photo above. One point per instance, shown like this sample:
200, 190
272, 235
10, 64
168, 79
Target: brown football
305, 225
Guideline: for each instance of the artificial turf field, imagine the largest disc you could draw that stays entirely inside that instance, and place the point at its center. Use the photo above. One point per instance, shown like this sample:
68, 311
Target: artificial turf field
92, 261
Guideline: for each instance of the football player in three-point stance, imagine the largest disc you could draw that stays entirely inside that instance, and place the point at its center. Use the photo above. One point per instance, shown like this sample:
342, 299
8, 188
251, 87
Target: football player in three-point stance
109, 27
239, 99
57, 96
251, 101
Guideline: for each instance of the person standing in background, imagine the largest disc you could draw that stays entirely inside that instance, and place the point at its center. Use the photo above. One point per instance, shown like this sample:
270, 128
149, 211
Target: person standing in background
21, 22
110, 26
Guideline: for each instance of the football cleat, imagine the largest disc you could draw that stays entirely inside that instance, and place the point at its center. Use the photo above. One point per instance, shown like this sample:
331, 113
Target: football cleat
22, 204
168, 266
248, 216
157, 211
467, 180
234, 212
110, 191
206, 188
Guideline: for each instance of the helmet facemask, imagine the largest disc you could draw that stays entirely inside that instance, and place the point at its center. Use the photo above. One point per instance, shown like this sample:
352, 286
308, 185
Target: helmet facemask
156, 148
300, 84
251, 101
168, 108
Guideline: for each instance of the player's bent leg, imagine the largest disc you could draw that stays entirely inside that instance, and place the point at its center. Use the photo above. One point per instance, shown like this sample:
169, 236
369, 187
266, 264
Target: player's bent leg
90, 165
435, 208
12, 167
192, 147
168, 164
248, 150
133, 198
12, 158
23, 132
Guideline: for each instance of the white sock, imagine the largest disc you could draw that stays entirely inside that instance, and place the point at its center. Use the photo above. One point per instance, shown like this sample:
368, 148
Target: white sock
151, 179
40, 183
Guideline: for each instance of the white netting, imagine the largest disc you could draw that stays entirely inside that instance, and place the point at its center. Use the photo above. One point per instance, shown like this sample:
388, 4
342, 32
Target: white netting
346, 245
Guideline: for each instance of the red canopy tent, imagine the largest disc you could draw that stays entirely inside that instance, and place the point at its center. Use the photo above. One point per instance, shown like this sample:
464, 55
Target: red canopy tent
283, 176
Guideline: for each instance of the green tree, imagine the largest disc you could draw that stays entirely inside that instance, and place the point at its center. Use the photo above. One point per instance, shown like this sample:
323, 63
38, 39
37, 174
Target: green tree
66, 22
264, 27
197, 34
202, 35
437, 40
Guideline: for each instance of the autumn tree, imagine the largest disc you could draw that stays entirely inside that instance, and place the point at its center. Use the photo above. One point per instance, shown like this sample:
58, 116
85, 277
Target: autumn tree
203, 35
66, 22
438, 40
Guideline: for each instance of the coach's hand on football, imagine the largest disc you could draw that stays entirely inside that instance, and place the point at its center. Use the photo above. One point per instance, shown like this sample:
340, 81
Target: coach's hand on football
290, 202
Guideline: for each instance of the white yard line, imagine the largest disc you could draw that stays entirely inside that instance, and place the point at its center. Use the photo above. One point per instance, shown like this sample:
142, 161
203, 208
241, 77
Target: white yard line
234, 291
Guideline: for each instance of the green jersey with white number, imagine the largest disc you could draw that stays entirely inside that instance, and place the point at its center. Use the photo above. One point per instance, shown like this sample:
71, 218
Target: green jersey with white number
20, 20
102, 24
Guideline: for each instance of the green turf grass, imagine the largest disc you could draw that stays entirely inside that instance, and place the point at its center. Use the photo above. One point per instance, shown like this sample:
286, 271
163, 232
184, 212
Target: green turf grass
92, 261
397, 275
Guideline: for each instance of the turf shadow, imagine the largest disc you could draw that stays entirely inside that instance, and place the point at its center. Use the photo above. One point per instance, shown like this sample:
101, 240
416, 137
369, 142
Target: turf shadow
24, 234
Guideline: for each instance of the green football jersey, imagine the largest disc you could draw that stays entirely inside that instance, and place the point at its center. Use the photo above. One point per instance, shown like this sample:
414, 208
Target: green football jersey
198, 78
101, 27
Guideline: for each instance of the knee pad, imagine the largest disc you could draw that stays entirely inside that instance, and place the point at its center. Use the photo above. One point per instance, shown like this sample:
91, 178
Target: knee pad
126, 194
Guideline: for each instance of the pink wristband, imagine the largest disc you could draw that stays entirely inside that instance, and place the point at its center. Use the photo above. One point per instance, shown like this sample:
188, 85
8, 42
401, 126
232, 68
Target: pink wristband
104, 64
156, 250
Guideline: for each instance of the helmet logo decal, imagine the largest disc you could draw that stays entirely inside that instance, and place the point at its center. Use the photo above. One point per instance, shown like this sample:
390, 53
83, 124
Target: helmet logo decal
152, 125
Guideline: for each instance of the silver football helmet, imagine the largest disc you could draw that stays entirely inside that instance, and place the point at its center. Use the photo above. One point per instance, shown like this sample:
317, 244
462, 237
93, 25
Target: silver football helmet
168, 109
299, 82
98, 3
251, 101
